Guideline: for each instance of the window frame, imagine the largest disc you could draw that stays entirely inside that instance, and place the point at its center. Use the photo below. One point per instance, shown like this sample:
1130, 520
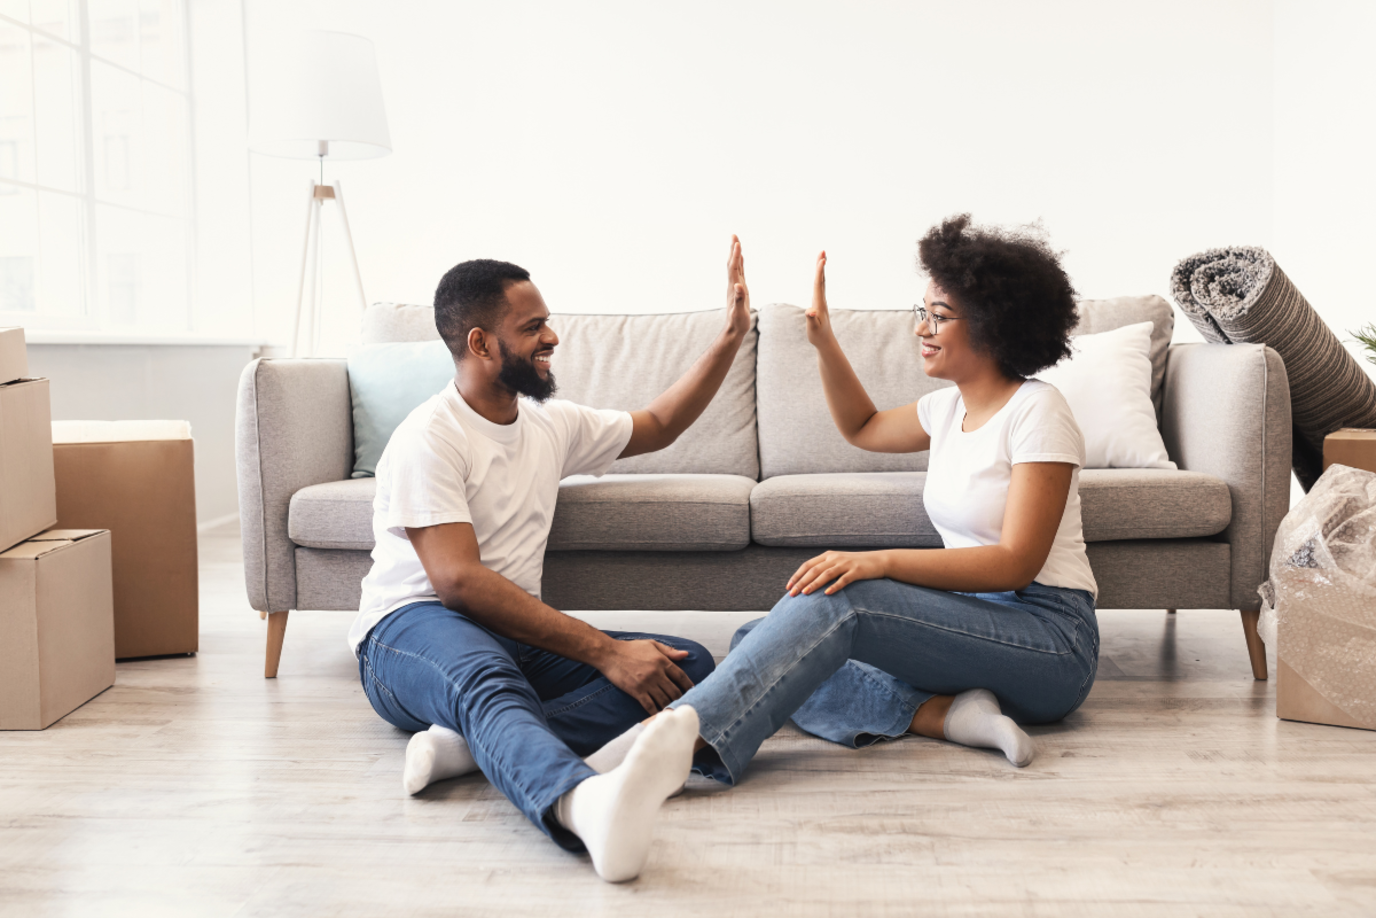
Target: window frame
93, 316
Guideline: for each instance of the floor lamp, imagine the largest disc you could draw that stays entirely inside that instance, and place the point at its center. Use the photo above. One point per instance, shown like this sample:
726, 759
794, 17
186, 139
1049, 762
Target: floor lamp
322, 99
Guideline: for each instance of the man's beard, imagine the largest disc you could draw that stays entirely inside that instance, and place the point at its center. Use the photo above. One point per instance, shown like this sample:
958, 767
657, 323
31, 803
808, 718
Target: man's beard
520, 376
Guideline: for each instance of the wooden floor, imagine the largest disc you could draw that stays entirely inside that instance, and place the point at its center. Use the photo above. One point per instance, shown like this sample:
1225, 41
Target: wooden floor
195, 787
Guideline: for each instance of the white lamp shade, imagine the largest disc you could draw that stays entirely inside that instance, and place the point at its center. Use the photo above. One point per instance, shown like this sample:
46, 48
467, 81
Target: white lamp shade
325, 88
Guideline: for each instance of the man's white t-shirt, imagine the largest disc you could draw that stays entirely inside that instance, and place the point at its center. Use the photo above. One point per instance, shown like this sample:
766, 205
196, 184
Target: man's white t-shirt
448, 464
968, 473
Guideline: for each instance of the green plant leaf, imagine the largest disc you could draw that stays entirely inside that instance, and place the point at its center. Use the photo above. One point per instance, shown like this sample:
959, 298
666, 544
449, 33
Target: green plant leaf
1367, 336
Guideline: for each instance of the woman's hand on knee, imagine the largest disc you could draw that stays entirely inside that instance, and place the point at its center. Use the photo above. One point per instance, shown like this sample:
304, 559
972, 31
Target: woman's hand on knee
843, 567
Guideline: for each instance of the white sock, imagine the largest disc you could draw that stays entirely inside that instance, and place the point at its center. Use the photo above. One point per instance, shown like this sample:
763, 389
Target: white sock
433, 755
439, 753
614, 814
614, 753
976, 720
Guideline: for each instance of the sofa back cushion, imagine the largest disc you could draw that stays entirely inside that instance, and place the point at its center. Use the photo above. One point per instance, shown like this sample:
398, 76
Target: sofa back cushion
623, 362
389, 323
797, 436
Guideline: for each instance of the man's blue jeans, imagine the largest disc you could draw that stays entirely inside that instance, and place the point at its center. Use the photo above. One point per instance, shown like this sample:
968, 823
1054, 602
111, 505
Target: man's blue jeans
855, 666
529, 715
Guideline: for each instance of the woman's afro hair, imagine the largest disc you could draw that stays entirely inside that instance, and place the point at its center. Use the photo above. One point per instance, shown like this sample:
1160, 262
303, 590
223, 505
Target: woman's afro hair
1012, 292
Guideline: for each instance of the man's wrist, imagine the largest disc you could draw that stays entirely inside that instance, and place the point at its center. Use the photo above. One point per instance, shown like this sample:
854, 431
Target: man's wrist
601, 650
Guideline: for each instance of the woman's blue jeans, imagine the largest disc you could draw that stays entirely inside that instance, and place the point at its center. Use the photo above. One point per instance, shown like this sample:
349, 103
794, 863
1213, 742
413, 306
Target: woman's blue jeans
855, 666
529, 715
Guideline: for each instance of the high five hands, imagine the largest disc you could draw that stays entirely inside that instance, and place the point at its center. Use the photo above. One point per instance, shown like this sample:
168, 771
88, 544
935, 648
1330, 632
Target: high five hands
737, 293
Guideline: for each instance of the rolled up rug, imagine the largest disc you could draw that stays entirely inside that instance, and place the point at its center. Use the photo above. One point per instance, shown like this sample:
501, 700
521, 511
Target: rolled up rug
1239, 295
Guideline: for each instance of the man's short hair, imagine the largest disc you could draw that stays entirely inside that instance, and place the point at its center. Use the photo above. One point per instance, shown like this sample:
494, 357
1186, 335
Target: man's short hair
472, 295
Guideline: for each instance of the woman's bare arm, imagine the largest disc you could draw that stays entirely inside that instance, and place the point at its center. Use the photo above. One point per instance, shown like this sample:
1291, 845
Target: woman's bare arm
896, 430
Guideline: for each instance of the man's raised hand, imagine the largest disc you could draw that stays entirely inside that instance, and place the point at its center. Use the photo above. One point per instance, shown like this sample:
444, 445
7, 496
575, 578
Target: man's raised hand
737, 292
818, 318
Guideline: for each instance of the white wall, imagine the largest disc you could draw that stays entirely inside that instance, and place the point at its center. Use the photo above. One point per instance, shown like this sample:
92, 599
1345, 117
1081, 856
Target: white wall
1325, 182
196, 383
612, 148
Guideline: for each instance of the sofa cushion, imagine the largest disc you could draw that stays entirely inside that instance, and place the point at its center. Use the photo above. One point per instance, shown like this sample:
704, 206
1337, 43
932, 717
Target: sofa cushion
884, 510
651, 512
1106, 381
614, 513
386, 383
624, 362
387, 323
842, 510
797, 435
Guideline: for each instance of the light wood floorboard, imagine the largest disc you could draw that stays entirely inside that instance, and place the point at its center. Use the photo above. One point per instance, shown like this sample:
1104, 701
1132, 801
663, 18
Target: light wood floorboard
196, 787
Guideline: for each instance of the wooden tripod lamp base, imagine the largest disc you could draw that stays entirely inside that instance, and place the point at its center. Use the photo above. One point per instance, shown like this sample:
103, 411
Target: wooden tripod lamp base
320, 194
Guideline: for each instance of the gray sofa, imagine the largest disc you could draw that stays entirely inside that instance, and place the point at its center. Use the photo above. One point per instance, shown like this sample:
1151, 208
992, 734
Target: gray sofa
763, 481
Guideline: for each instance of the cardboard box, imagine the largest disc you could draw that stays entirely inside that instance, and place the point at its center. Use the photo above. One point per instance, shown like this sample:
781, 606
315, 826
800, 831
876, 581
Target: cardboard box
14, 358
136, 479
57, 635
1296, 699
27, 504
1351, 447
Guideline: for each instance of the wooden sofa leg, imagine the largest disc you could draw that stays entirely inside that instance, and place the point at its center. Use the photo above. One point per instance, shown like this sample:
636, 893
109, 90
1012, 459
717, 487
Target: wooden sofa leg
1255, 648
277, 629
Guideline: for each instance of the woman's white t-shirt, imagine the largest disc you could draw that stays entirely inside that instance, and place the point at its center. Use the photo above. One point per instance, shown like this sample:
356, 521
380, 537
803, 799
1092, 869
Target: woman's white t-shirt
448, 464
968, 473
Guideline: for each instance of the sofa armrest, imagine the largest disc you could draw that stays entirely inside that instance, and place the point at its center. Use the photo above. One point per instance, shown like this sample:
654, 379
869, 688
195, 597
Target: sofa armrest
1227, 414
293, 428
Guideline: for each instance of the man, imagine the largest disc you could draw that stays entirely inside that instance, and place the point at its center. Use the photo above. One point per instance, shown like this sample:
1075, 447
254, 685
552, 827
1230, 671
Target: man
452, 639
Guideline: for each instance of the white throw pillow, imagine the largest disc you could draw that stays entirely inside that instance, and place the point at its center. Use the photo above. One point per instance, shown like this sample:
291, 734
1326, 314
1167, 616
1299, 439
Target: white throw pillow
1107, 381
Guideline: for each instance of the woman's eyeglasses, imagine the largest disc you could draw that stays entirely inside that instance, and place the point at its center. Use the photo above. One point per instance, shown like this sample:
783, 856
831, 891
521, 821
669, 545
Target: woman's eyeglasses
931, 318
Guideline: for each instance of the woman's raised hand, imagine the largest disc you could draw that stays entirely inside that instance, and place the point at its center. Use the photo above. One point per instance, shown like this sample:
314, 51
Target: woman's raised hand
737, 292
818, 318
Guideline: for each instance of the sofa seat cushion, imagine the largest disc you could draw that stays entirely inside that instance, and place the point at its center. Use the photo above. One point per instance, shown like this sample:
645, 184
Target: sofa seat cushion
652, 513
611, 513
884, 509
842, 510
337, 514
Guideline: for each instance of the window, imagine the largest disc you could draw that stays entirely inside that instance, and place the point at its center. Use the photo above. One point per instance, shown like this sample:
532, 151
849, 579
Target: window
95, 204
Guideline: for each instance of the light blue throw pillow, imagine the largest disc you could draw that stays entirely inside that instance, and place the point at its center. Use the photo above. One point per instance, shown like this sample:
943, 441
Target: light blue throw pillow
386, 383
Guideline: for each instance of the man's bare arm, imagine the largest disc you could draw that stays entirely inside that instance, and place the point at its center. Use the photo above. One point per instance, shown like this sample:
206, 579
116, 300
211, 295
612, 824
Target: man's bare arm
675, 410
645, 670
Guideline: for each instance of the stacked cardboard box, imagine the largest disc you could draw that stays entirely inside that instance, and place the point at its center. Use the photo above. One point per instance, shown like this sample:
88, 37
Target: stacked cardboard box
28, 504
57, 632
57, 642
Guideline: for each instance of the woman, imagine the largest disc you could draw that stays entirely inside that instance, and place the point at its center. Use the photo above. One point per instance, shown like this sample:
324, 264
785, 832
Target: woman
941, 643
